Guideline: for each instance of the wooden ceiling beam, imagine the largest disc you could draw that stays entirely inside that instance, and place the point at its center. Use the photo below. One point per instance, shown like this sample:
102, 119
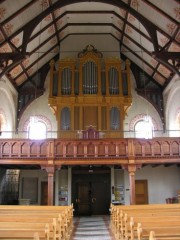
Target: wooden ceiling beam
164, 57
28, 28
25, 7
15, 57
124, 26
79, 24
161, 11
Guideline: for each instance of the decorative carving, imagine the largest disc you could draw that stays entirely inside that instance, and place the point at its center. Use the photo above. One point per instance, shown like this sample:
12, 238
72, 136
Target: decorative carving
90, 48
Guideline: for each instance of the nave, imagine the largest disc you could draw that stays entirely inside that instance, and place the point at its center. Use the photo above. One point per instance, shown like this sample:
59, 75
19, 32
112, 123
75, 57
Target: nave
92, 228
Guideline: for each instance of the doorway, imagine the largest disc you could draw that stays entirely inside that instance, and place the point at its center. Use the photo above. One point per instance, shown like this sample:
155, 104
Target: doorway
91, 192
141, 187
44, 193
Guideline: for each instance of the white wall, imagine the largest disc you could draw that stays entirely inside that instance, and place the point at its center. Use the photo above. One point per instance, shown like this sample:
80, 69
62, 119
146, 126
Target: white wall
8, 105
62, 187
140, 106
172, 105
74, 44
40, 107
61, 182
41, 175
163, 182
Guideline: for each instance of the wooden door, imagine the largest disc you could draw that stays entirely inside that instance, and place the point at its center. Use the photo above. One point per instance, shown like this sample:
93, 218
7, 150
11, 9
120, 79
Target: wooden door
83, 200
141, 187
91, 193
100, 199
44, 193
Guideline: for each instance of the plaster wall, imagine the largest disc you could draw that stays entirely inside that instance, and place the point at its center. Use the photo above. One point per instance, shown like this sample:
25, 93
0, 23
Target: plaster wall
8, 104
163, 182
40, 107
74, 44
172, 107
39, 175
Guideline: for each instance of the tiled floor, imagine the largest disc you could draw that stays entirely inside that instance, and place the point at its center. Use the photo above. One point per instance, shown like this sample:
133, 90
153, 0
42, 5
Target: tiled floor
92, 228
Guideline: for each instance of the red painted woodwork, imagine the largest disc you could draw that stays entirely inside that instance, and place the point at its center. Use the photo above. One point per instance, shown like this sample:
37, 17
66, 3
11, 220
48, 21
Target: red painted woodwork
90, 133
86, 151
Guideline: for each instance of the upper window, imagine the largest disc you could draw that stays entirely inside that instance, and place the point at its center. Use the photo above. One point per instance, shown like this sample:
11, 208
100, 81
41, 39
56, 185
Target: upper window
37, 129
3, 132
178, 121
177, 129
144, 128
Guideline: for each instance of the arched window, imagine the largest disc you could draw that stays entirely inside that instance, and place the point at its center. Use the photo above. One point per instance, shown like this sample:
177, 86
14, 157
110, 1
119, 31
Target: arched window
3, 132
178, 121
144, 128
37, 128
177, 128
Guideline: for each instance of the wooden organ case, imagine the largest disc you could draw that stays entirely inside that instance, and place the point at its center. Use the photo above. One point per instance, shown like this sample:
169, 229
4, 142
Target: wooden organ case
90, 92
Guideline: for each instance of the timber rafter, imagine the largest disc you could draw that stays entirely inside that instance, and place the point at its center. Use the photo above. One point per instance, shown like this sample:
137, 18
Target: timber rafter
28, 28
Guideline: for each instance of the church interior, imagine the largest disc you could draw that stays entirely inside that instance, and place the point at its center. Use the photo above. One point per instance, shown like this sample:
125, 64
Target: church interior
89, 103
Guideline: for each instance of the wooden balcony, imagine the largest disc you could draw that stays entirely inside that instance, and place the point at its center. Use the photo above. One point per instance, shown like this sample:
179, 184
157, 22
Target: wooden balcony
60, 152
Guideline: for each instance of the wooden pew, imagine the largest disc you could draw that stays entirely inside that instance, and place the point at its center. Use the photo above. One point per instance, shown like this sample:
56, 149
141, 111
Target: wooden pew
49, 222
124, 220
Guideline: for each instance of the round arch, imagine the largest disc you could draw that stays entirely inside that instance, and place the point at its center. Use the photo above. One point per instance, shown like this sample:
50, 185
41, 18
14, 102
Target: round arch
141, 117
41, 119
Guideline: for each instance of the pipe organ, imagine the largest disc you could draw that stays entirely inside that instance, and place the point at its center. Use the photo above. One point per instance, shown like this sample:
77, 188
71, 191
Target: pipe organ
90, 91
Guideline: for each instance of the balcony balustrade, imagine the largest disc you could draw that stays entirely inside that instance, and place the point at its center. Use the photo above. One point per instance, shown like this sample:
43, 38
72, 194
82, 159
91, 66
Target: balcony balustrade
96, 151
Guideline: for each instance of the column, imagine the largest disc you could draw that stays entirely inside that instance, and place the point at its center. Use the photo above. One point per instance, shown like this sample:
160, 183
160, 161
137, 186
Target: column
69, 184
50, 171
57, 187
132, 170
112, 184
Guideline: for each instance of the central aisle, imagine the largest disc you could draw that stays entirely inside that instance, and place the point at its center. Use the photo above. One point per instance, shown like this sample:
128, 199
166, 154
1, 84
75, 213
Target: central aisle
92, 227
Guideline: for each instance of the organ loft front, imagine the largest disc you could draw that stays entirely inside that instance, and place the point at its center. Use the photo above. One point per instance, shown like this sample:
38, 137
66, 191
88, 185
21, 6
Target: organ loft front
90, 92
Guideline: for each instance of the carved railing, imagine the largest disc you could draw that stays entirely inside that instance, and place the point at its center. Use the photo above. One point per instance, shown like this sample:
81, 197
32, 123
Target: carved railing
141, 151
